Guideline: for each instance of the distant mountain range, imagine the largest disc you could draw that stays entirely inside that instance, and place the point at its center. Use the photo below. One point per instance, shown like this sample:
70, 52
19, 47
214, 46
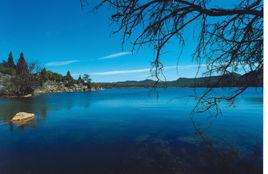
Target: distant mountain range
231, 80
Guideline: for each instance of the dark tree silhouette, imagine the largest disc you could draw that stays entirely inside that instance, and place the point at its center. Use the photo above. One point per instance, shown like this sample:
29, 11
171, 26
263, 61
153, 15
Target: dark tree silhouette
69, 77
10, 61
86, 78
230, 39
43, 74
22, 66
25, 81
79, 80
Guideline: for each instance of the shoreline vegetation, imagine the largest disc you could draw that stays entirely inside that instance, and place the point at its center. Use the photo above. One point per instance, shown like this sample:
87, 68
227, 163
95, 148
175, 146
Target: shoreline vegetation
25, 80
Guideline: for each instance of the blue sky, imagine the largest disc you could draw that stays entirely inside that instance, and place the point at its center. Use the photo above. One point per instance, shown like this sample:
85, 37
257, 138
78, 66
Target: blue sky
59, 35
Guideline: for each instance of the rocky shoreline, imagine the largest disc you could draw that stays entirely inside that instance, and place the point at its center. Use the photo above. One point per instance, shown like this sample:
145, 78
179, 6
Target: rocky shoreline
47, 87
56, 87
4, 83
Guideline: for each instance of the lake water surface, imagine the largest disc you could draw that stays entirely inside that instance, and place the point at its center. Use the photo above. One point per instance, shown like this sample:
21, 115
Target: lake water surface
131, 131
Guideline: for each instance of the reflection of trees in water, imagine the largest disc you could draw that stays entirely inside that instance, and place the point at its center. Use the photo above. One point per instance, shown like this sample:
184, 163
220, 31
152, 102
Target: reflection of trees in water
200, 154
12, 106
41, 105
159, 155
225, 158
162, 154
155, 153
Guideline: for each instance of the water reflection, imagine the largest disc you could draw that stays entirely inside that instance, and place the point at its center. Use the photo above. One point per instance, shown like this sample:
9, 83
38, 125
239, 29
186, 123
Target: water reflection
159, 153
128, 131
40, 105
22, 123
224, 158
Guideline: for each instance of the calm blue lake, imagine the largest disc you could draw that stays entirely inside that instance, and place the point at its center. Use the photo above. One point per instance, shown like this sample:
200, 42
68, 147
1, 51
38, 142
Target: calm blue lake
132, 131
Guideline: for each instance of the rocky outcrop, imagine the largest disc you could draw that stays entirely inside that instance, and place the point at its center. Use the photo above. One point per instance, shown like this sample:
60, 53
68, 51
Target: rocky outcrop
22, 118
52, 87
4, 82
47, 87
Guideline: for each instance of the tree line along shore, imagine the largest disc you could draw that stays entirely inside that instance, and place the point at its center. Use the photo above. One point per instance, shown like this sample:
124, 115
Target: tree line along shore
24, 79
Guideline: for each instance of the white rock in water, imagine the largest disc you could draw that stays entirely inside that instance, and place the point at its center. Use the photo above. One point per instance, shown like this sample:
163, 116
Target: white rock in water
20, 116
27, 96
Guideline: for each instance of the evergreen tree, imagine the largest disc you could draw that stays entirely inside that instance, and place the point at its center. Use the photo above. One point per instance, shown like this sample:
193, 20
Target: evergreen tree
22, 66
43, 74
80, 79
86, 78
10, 61
69, 77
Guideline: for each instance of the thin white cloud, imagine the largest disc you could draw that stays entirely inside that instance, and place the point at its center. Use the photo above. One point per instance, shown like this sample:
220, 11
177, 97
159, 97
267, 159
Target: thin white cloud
115, 55
107, 73
121, 72
60, 63
187, 66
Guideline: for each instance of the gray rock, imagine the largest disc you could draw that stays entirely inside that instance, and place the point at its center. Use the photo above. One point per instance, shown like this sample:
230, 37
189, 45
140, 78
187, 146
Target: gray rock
4, 82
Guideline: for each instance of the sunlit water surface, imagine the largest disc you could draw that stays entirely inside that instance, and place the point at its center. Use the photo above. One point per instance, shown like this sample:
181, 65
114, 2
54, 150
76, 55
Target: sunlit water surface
118, 131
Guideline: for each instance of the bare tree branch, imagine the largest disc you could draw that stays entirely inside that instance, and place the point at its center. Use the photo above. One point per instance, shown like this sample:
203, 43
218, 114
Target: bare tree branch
230, 39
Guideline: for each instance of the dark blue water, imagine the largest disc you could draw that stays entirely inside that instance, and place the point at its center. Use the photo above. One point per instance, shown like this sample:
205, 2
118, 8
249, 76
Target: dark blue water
132, 131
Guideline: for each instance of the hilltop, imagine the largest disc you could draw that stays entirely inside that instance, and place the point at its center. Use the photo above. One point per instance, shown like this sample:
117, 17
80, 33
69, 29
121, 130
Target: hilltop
230, 80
